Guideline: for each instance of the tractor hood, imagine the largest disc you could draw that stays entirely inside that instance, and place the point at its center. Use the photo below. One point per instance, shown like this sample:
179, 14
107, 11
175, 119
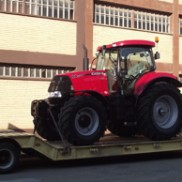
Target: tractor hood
94, 81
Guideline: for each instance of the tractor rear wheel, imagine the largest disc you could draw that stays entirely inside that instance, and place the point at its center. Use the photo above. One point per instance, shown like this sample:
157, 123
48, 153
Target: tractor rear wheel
82, 120
159, 112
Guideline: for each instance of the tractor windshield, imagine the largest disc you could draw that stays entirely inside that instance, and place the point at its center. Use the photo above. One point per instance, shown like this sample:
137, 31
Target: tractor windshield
134, 60
106, 61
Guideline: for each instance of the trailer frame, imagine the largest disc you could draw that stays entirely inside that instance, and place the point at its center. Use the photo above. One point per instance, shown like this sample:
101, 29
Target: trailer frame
108, 146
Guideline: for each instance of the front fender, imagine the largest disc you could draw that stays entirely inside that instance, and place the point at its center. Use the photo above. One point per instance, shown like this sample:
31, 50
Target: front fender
153, 77
98, 96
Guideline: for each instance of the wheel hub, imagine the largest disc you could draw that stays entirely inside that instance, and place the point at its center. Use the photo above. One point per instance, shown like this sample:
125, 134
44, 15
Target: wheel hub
86, 121
6, 158
162, 111
165, 112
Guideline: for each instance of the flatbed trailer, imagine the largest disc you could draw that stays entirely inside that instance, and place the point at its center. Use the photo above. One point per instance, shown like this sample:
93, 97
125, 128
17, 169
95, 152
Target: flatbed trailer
12, 143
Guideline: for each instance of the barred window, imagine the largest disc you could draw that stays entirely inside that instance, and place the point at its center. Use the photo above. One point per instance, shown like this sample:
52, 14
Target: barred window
180, 26
13, 6
112, 16
21, 71
128, 18
47, 8
151, 22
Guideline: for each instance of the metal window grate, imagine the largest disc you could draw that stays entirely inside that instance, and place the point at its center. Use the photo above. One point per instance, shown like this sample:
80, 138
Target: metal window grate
13, 6
21, 71
180, 26
128, 18
63, 9
151, 22
112, 16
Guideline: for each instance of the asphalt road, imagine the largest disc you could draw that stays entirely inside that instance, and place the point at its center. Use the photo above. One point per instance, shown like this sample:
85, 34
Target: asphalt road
140, 168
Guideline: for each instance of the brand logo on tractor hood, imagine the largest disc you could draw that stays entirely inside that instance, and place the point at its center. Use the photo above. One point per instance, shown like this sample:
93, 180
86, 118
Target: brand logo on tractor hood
97, 73
88, 74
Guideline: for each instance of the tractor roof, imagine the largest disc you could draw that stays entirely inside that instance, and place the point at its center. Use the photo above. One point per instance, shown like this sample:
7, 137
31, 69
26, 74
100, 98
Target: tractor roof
128, 43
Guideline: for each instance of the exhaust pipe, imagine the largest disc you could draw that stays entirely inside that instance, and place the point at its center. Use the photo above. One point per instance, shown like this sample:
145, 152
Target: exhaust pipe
85, 59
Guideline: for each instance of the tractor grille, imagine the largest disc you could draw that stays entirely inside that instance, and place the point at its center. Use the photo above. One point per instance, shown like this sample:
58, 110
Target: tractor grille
60, 83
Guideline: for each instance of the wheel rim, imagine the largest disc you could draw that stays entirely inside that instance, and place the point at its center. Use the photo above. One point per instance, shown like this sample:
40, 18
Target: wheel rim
86, 121
165, 112
6, 158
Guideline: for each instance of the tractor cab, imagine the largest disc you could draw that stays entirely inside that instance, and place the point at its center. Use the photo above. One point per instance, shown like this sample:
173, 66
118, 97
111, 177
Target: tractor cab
124, 95
125, 62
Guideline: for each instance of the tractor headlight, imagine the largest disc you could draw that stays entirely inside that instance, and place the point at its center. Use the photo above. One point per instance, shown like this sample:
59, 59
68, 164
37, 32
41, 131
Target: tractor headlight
55, 94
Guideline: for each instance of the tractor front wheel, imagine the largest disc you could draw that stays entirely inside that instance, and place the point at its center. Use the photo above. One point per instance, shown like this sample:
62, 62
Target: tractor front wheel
82, 120
159, 112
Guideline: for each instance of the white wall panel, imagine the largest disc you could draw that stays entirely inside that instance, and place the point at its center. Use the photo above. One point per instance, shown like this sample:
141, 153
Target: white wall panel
106, 35
180, 2
168, 1
24, 33
15, 101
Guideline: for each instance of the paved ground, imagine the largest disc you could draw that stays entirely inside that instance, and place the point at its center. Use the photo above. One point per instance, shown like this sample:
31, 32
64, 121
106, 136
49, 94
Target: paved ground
140, 168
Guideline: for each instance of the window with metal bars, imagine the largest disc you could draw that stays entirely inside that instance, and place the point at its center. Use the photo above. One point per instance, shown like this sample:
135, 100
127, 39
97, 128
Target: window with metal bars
180, 26
28, 71
112, 16
151, 22
63, 9
129, 18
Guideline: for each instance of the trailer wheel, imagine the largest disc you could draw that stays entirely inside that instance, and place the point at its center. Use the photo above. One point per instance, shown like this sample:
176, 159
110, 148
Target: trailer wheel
82, 120
159, 112
9, 157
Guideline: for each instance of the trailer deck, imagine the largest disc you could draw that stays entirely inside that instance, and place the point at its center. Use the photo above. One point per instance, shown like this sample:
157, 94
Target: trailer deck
108, 146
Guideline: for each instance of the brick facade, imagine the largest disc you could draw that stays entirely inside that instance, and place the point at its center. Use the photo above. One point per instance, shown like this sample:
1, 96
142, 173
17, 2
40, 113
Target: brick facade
33, 40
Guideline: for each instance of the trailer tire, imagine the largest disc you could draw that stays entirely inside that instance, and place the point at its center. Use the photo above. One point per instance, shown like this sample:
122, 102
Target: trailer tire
83, 120
9, 157
159, 112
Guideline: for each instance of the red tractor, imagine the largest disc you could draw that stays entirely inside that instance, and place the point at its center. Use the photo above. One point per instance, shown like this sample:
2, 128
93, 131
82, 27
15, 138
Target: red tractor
123, 94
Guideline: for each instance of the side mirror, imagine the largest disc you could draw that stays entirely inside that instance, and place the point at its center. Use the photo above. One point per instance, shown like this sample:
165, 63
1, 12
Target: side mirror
180, 77
157, 55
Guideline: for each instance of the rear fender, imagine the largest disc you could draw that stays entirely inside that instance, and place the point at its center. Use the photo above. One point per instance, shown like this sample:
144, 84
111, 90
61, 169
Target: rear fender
152, 78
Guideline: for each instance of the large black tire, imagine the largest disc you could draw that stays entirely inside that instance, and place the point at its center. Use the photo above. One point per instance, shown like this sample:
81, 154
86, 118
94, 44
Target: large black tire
46, 129
42, 120
121, 130
9, 157
159, 112
83, 120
